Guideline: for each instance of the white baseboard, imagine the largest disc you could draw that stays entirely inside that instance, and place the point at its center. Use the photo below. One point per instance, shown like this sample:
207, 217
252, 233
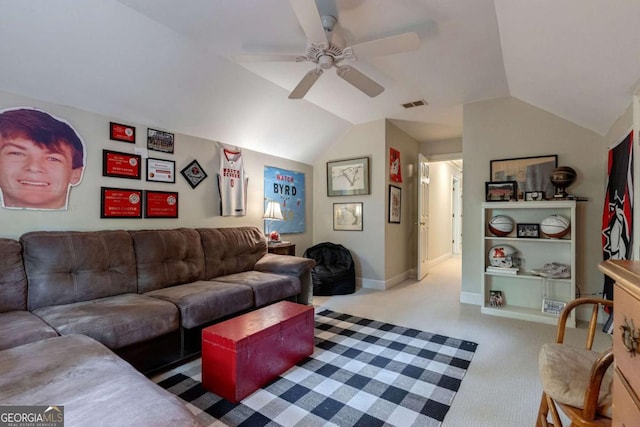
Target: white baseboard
383, 285
471, 298
438, 260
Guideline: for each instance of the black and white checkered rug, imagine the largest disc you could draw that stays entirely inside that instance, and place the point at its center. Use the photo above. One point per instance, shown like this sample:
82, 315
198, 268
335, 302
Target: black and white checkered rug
362, 373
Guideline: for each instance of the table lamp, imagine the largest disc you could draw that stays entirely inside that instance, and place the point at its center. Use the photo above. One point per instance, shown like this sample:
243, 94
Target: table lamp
272, 213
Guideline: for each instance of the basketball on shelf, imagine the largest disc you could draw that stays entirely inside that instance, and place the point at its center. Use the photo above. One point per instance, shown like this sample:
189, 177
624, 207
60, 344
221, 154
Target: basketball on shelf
502, 256
500, 225
555, 226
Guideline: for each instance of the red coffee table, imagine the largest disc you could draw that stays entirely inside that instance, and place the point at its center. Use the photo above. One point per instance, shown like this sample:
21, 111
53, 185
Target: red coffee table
242, 354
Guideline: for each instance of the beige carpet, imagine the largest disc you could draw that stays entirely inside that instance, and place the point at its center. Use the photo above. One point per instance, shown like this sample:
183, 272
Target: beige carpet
501, 387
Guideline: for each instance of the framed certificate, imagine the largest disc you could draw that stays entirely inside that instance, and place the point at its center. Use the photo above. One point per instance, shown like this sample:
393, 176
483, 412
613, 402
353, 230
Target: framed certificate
160, 170
120, 203
121, 165
160, 204
120, 132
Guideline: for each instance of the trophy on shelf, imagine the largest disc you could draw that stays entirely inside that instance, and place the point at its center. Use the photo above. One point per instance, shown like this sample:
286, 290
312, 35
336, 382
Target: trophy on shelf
562, 178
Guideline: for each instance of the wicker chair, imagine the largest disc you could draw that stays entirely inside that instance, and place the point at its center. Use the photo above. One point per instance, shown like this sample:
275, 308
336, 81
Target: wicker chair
576, 380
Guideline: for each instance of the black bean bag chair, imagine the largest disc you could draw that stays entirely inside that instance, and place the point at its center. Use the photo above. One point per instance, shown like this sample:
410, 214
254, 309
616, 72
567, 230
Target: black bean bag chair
334, 273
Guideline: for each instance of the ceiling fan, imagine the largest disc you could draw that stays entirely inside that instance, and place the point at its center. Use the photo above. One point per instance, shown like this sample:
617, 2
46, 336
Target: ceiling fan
327, 49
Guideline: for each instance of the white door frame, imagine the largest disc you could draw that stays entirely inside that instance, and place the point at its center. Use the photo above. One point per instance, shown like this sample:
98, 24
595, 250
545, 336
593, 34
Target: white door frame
423, 217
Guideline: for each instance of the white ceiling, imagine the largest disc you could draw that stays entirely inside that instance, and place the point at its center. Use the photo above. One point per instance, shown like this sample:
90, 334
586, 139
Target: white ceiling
167, 64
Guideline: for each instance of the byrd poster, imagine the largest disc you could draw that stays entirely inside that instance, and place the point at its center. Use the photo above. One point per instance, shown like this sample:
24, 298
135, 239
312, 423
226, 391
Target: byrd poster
287, 188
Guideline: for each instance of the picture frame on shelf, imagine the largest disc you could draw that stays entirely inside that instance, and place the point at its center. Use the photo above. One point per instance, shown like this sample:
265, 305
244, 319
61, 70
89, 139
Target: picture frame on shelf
496, 299
530, 173
348, 177
501, 191
347, 216
161, 170
531, 196
552, 306
528, 231
395, 204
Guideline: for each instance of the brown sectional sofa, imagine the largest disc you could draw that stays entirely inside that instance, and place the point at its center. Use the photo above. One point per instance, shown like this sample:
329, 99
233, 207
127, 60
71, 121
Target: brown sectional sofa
143, 295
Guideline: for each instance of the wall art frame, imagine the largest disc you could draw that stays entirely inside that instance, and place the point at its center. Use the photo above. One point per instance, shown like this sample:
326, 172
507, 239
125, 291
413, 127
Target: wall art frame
159, 140
501, 191
348, 216
348, 177
121, 165
121, 132
531, 173
193, 173
161, 170
120, 203
160, 204
395, 204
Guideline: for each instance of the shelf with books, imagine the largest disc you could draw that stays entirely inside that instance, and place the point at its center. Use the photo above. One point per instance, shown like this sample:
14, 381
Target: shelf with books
524, 292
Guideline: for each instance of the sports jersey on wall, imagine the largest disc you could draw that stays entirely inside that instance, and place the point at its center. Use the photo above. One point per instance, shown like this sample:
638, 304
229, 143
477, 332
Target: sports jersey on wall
232, 184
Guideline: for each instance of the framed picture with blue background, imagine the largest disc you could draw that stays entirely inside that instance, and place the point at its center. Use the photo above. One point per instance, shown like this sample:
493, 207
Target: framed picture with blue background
285, 187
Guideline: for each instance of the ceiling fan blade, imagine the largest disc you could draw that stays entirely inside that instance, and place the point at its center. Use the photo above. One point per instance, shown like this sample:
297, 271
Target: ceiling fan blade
307, 13
269, 58
305, 84
387, 46
359, 80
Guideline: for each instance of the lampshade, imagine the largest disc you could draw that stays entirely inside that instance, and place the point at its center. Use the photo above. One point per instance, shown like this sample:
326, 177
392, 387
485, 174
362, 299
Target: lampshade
273, 211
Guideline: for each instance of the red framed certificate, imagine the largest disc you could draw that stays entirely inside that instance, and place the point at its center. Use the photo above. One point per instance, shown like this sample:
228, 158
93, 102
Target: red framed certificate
120, 132
121, 165
120, 203
160, 204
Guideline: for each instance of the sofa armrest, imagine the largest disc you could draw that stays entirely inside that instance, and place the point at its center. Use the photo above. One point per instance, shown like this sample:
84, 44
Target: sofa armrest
293, 266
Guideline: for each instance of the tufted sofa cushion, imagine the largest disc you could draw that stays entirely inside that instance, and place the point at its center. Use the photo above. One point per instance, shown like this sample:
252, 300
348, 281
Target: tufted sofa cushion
167, 258
231, 250
17, 326
65, 267
13, 282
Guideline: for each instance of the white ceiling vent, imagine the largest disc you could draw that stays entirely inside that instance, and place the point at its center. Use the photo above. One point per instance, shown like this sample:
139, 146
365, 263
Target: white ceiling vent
418, 103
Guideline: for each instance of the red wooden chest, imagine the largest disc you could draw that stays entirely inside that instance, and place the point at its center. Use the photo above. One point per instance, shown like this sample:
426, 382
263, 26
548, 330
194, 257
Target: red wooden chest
242, 354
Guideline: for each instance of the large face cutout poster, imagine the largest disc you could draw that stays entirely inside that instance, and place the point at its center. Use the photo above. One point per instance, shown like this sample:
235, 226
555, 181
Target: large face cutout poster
287, 189
41, 158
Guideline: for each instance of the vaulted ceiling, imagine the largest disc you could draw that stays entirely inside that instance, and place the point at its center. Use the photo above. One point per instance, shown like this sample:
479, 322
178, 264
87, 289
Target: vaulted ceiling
170, 64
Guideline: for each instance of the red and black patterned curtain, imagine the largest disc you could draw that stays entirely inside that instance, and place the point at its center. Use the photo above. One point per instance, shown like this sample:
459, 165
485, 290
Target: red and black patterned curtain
617, 214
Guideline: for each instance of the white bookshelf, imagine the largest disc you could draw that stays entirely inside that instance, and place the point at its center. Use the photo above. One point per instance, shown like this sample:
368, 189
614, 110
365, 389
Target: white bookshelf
524, 293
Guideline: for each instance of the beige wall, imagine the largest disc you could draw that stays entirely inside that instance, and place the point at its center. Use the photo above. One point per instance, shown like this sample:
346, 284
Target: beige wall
365, 140
445, 146
401, 239
383, 252
198, 207
508, 128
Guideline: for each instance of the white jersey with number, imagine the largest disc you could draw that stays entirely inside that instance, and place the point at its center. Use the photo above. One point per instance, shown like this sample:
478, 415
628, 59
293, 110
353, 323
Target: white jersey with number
232, 184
